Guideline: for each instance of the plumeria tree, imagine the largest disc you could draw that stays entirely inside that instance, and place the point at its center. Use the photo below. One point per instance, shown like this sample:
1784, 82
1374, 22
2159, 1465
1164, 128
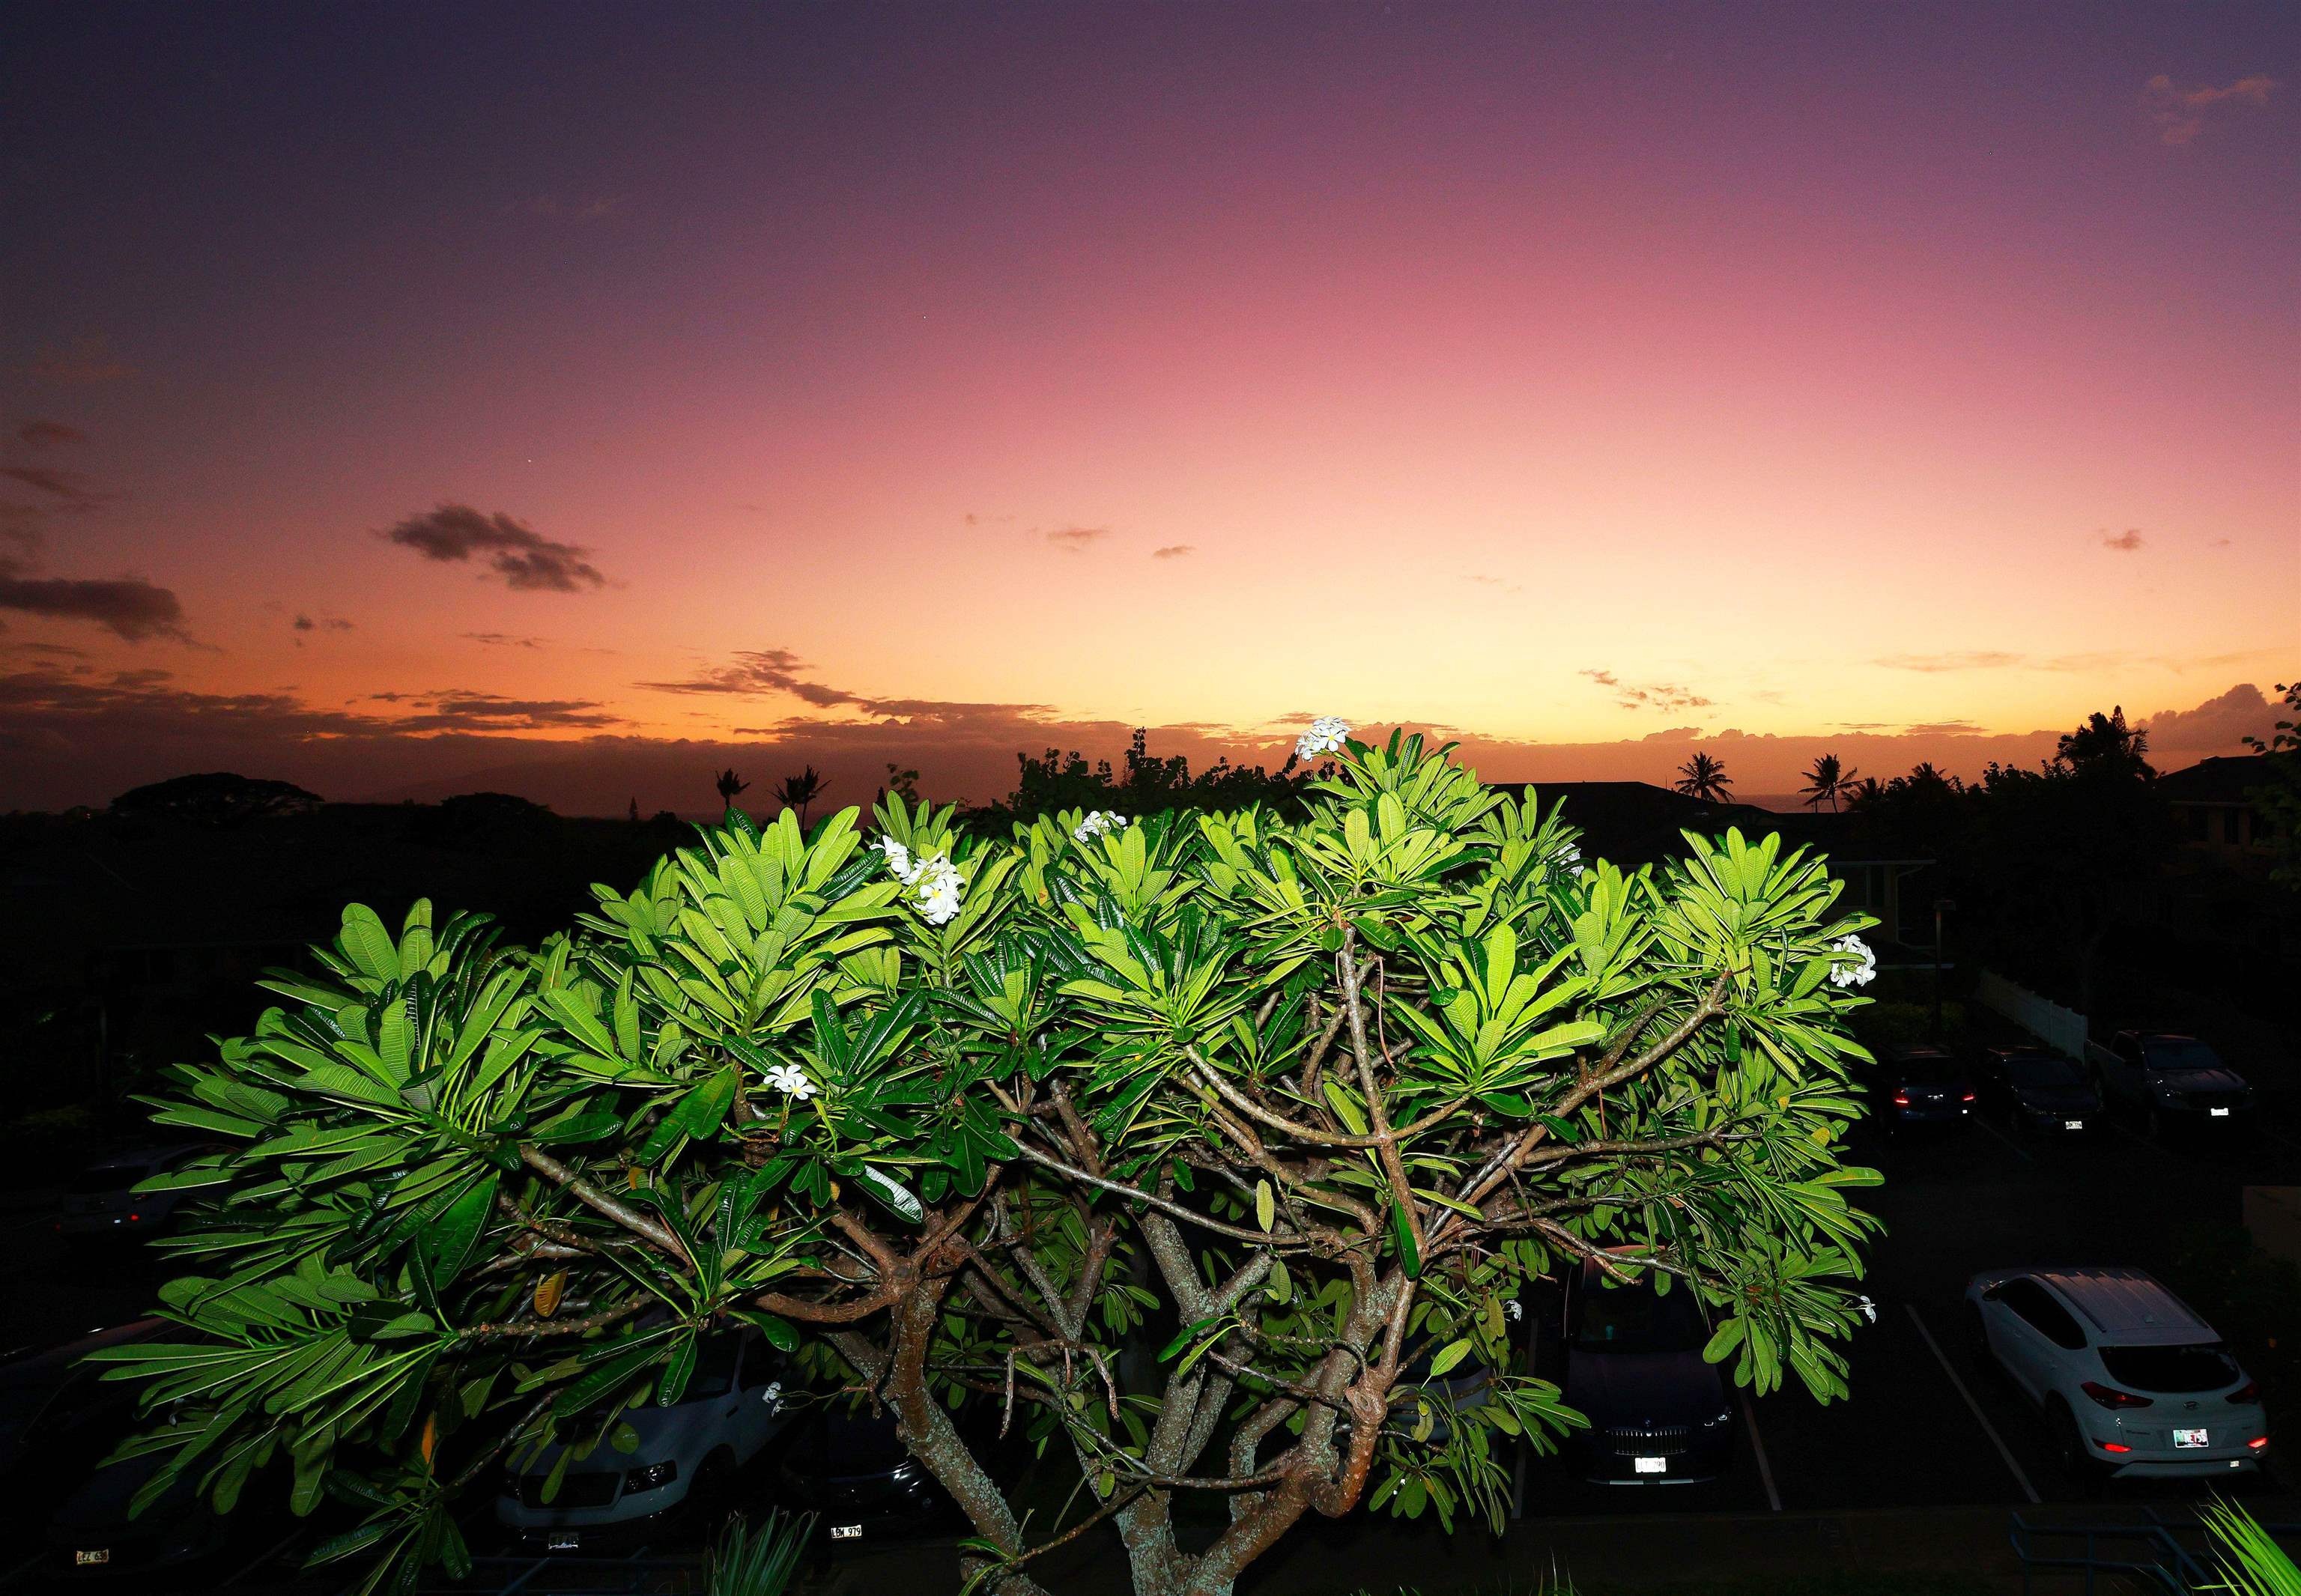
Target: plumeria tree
1210, 1154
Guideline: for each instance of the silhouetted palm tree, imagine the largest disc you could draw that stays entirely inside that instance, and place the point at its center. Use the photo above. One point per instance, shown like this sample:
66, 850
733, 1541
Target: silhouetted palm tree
728, 788
798, 792
1704, 777
1863, 794
1830, 780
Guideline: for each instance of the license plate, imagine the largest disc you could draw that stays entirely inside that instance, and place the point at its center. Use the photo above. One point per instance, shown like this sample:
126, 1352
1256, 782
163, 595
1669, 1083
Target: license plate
2073, 1124
1650, 1464
847, 1532
562, 1539
2217, 1113
2189, 1438
88, 1560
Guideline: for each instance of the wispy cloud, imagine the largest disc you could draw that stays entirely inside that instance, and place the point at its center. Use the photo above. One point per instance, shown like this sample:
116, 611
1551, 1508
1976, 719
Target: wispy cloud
1655, 695
302, 624
463, 711
46, 435
74, 488
502, 639
1969, 659
1073, 539
2124, 542
2180, 114
1174, 551
523, 557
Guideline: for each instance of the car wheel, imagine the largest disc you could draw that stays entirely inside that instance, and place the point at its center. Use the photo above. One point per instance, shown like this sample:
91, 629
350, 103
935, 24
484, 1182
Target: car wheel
2074, 1452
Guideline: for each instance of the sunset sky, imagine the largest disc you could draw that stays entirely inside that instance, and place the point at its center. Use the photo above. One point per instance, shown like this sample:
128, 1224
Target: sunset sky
572, 399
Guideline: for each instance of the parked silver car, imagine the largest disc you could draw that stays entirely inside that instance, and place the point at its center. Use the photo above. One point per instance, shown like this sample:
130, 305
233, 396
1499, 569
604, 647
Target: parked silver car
685, 1461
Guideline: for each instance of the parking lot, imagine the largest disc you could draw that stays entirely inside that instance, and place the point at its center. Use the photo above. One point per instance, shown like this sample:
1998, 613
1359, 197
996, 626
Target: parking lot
1929, 1423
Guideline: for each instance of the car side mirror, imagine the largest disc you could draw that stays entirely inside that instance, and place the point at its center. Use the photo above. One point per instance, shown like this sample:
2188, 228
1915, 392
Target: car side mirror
1990, 1293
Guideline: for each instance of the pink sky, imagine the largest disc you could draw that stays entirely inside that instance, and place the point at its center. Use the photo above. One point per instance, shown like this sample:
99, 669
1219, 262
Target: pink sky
921, 390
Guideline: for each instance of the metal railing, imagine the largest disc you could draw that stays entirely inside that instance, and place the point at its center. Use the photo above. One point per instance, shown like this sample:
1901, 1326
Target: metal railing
2152, 1550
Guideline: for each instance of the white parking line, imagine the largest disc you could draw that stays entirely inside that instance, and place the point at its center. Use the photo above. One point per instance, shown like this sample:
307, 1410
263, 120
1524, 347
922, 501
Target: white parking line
1974, 1408
2019, 1151
1758, 1450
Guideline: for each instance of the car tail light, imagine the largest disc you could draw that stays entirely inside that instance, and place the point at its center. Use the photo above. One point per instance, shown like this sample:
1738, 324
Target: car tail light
1902, 1099
2257, 1442
2109, 1396
2111, 1446
2249, 1393
1967, 1097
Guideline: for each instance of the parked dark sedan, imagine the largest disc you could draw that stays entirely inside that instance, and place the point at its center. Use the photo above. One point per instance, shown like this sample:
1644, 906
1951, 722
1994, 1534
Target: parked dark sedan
1658, 1411
847, 1465
1918, 1086
2040, 1092
57, 1423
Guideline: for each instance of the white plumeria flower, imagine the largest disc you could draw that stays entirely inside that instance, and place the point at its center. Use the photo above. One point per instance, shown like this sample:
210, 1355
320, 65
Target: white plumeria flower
1327, 734
1861, 973
1099, 823
938, 885
1514, 1308
899, 857
791, 1081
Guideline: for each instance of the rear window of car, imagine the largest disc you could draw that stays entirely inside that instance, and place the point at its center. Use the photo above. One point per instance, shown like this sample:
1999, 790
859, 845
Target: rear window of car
2202, 1367
2033, 1070
1932, 1071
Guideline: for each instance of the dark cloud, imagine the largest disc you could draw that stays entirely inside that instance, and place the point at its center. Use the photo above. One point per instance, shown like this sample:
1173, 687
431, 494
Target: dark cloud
1969, 659
43, 435
2124, 542
1657, 695
1073, 539
72, 487
128, 606
499, 640
2218, 725
1174, 551
82, 362
523, 557
2178, 114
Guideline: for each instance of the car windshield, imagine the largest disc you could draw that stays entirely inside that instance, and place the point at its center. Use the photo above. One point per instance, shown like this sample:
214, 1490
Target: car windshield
2203, 1366
2038, 1069
2182, 1055
1636, 1318
715, 1369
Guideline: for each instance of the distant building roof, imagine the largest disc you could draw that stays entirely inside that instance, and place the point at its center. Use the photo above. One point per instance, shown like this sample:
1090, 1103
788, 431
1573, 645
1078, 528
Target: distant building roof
2224, 780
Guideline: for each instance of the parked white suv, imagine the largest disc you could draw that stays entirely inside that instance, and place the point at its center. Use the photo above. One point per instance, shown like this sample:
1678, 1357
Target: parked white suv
2132, 1381
686, 1459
